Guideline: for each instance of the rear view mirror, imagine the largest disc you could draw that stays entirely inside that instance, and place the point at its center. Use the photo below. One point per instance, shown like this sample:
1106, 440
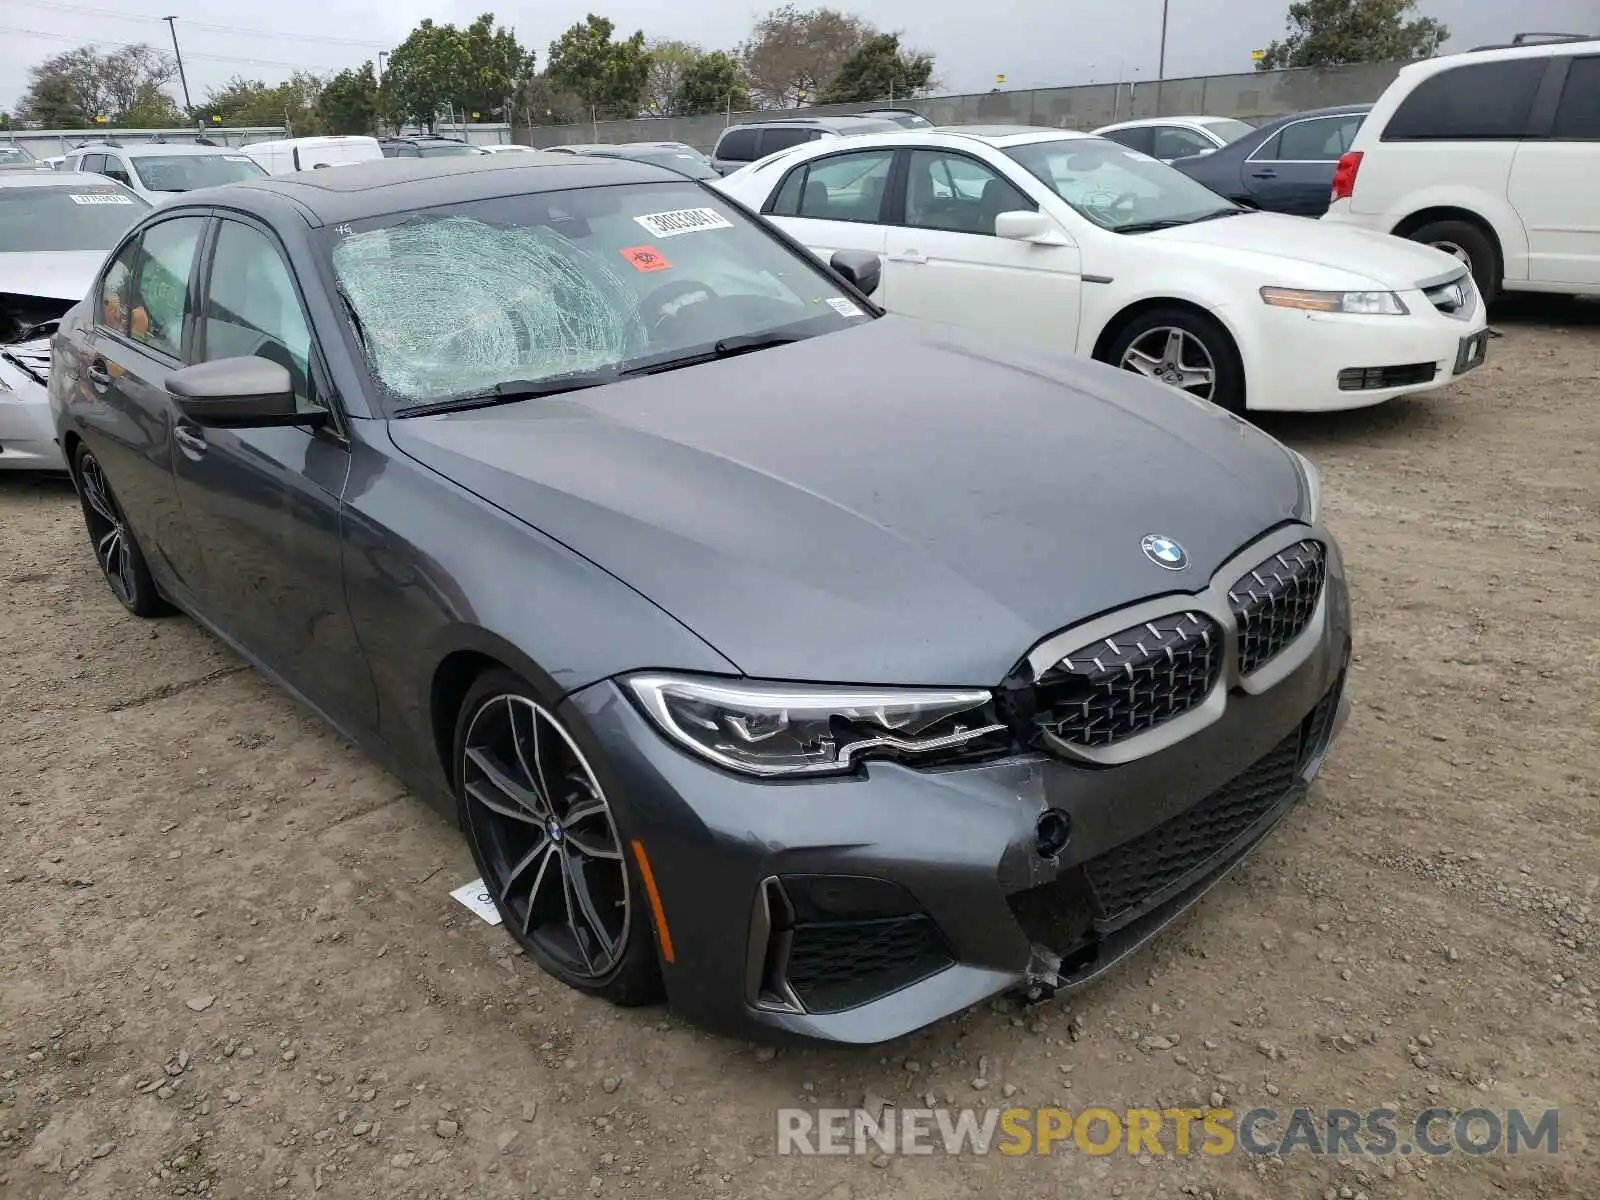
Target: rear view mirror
238, 393
1026, 226
861, 267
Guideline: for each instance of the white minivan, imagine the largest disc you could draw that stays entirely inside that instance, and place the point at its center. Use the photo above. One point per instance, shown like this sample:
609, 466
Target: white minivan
1492, 156
308, 153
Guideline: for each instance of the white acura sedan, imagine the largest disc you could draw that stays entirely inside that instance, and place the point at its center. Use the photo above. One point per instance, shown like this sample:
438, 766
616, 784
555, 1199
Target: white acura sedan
1074, 242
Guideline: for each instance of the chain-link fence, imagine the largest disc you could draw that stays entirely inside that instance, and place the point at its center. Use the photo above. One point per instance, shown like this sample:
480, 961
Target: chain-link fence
49, 143
1253, 96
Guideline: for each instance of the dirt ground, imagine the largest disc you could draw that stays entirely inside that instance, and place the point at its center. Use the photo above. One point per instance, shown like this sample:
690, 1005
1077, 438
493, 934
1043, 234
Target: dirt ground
229, 964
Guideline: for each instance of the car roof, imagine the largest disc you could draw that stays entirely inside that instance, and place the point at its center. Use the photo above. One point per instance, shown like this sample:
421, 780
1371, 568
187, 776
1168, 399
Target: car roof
1417, 71
1145, 122
845, 120
1335, 110
58, 179
379, 187
1000, 135
141, 149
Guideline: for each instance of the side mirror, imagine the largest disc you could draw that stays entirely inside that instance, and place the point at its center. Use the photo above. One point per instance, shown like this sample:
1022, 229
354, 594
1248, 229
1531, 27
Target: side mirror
1026, 226
860, 267
238, 393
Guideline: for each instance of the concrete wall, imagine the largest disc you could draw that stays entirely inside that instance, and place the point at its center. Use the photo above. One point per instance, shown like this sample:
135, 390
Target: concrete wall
1256, 95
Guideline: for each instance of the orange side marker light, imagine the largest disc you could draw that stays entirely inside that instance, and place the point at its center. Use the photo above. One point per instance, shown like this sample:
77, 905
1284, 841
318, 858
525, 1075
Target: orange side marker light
654, 897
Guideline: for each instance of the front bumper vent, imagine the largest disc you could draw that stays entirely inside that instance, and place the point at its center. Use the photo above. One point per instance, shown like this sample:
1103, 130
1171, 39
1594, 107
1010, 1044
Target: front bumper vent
1374, 379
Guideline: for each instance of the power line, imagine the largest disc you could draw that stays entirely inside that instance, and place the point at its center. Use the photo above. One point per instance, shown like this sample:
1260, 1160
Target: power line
86, 10
223, 58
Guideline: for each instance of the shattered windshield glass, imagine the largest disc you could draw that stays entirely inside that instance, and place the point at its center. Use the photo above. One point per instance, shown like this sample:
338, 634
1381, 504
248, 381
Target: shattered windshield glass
455, 301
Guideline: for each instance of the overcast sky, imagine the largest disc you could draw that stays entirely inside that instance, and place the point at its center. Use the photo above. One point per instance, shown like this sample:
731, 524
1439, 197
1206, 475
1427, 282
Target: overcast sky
1038, 42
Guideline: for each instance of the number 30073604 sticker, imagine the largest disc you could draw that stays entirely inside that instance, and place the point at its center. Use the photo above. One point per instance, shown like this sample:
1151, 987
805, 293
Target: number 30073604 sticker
645, 259
683, 220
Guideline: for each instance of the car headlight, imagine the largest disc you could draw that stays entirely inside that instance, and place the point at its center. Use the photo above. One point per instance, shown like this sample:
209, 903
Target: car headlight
1368, 304
772, 729
1313, 482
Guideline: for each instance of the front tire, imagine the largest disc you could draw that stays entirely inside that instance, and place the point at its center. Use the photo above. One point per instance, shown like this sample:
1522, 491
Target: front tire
1471, 245
549, 844
121, 561
1183, 348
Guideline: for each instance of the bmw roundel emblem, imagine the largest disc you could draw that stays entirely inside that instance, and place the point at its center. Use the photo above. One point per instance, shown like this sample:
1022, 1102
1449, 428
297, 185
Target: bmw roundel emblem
1164, 552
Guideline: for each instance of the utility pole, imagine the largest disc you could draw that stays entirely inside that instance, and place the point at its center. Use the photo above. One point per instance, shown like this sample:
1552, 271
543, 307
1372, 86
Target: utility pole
172, 24
1161, 65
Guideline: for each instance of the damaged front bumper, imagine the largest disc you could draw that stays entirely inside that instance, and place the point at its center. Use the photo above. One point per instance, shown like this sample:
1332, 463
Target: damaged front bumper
27, 431
860, 909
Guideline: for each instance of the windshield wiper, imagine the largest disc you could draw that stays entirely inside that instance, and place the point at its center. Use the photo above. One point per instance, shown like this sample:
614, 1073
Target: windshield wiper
518, 389
1174, 222
727, 347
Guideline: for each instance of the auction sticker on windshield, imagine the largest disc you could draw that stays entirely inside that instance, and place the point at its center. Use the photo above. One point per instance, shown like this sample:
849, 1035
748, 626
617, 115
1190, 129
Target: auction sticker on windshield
645, 259
683, 220
99, 198
843, 307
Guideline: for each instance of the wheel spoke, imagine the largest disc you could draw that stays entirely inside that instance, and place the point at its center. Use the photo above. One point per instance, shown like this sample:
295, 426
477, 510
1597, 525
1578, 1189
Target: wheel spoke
125, 565
1138, 360
538, 881
94, 493
1172, 355
106, 548
1191, 378
591, 915
507, 786
572, 916
494, 804
527, 751
542, 846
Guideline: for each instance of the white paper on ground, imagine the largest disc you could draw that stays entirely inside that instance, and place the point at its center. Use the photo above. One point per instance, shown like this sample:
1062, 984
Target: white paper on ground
476, 897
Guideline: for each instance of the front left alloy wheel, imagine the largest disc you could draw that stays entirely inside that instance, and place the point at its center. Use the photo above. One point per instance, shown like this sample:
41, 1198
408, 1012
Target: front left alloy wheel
548, 844
115, 550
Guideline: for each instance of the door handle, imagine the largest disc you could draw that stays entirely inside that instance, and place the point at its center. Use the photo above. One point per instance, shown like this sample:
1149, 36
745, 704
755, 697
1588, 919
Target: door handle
909, 256
189, 441
1267, 174
99, 377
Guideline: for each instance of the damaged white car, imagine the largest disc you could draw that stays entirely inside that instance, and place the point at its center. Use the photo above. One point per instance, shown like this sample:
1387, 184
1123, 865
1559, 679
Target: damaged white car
55, 230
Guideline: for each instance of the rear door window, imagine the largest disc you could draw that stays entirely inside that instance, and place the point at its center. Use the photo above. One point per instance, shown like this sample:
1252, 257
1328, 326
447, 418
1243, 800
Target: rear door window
1487, 101
782, 137
1578, 114
1324, 139
738, 145
1174, 141
1141, 139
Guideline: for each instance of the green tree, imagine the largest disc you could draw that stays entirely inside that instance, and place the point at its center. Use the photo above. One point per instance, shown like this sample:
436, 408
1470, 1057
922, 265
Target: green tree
540, 102
1330, 33
669, 61
73, 88
793, 55
426, 71
496, 65
348, 102
609, 77
152, 108
713, 83
880, 70
292, 103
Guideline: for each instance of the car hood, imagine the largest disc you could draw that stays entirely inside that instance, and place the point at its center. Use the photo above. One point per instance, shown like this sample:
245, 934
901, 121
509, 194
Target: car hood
885, 504
1327, 255
60, 275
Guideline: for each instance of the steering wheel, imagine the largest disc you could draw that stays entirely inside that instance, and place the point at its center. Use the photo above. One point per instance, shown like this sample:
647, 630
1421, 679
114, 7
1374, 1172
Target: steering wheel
654, 306
1111, 204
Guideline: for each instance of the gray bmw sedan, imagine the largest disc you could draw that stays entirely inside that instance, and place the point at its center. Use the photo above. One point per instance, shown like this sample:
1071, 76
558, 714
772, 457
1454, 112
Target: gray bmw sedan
821, 670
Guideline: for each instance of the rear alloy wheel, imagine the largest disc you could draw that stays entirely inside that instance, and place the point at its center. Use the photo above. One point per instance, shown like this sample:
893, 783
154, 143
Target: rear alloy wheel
1182, 349
1468, 244
548, 845
121, 561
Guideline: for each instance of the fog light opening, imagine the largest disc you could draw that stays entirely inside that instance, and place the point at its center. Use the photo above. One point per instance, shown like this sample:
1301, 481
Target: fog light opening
1052, 833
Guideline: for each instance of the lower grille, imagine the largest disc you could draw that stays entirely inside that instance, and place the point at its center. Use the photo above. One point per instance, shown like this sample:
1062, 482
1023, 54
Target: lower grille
1274, 602
1371, 379
837, 965
1126, 877
1131, 681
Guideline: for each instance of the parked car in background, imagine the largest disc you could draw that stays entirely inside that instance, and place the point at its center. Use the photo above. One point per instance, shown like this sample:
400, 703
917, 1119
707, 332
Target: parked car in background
1491, 156
739, 145
675, 156
1285, 165
55, 230
160, 170
425, 147
16, 158
1074, 242
308, 153
824, 671
906, 118
507, 148
1168, 138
